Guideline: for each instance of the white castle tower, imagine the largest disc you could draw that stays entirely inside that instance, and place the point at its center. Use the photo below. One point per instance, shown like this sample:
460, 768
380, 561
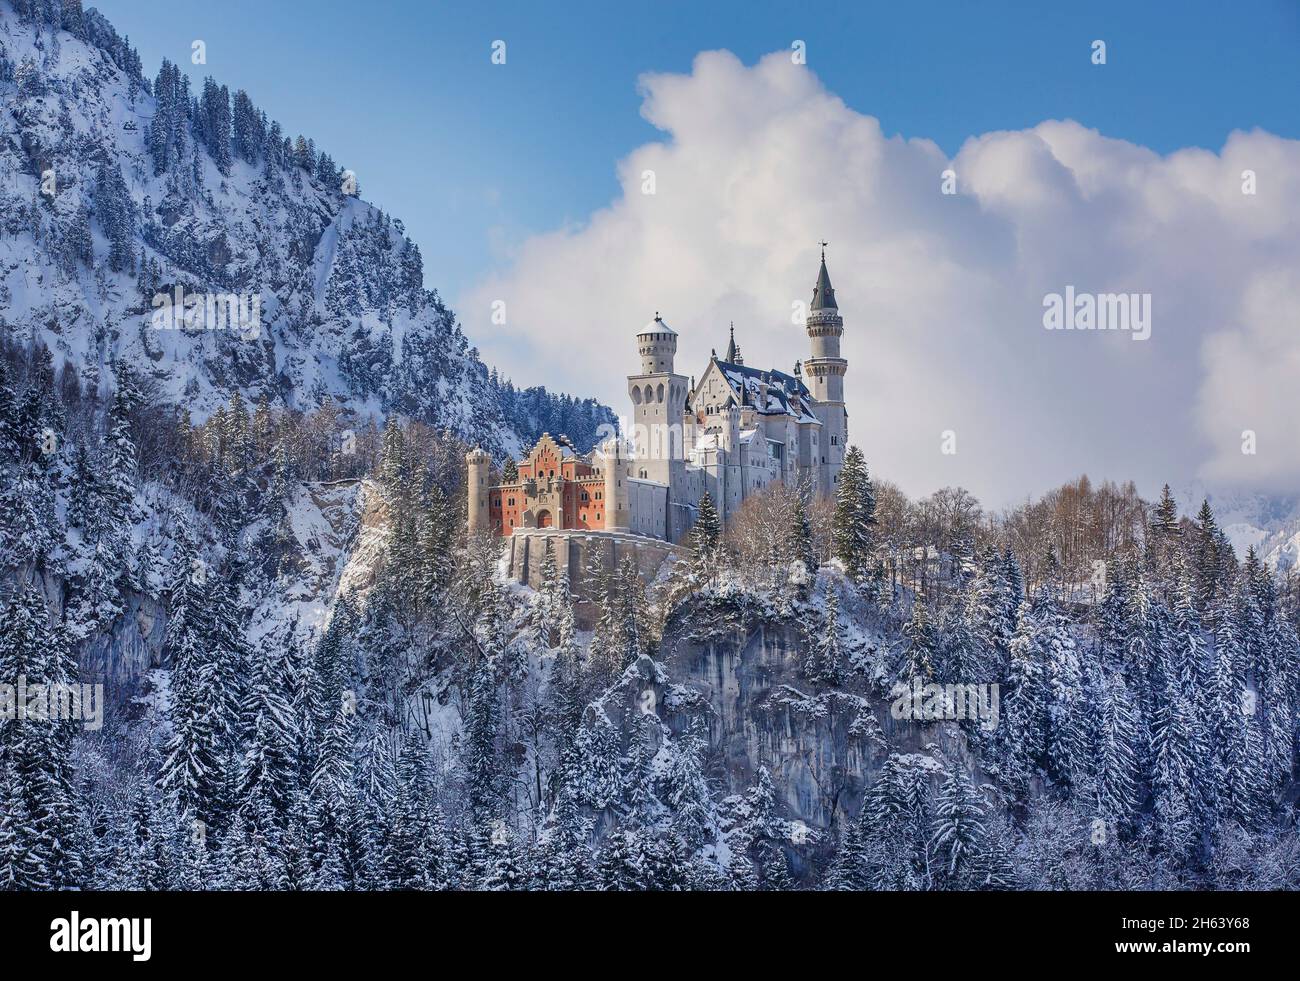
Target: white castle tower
824, 375
612, 455
658, 397
477, 464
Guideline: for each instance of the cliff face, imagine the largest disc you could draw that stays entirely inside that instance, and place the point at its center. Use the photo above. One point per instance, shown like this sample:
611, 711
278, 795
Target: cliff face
745, 678
818, 745
340, 535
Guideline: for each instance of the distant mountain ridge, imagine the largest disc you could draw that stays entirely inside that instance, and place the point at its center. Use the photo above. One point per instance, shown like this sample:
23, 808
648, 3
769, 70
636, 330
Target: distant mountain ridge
118, 193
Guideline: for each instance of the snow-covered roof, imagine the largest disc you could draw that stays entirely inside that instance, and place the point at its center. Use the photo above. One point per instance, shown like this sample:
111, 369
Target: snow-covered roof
786, 395
656, 326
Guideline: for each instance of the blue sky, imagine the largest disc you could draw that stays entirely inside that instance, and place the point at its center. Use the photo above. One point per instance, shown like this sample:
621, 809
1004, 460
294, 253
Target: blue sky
475, 157
508, 177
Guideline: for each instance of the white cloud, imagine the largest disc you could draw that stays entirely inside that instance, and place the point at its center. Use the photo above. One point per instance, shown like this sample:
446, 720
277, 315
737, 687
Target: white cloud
942, 295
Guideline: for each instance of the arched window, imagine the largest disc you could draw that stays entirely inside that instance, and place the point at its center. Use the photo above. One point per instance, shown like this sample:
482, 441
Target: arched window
660, 393
636, 394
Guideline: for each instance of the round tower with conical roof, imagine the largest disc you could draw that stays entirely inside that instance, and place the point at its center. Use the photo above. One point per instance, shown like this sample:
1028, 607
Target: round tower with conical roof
823, 373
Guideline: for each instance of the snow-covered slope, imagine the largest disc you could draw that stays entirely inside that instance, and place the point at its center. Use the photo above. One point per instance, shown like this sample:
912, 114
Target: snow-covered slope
116, 192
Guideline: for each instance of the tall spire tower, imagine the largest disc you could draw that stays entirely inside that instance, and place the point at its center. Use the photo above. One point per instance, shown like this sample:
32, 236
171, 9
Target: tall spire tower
824, 372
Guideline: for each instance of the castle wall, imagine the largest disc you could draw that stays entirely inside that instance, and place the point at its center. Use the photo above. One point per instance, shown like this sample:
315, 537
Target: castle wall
649, 507
581, 553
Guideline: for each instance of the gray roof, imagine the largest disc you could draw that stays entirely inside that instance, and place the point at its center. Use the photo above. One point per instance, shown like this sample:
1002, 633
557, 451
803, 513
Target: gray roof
786, 395
824, 292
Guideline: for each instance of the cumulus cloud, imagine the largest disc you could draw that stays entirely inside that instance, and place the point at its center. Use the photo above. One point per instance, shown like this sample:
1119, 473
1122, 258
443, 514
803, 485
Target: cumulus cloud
942, 295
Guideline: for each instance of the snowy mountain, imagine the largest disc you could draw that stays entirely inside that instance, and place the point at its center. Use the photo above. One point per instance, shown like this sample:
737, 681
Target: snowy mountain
1268, 523
188, 235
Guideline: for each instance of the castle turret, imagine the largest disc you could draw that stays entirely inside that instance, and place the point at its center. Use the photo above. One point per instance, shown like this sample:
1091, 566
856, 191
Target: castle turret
477, 462
613, 462
729, 436
657, 343
658, 405
823, 373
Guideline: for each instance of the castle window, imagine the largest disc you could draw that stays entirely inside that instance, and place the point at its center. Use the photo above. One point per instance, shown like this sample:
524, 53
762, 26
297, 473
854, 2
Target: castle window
512, 502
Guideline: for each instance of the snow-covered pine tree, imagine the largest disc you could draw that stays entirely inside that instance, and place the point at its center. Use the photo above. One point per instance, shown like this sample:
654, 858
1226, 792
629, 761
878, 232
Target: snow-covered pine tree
706, 541
920, 646
959, 829
1024, 734
824, 662
799, 546
270, 759
1118, 789
851, 528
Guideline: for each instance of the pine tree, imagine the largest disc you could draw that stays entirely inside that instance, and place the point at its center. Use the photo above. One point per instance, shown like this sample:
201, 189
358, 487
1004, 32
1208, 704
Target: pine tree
848, 873
800, 543
270, 761
392, 459
687, 790
1025, 732
1118, 797
920, 646
1173, 747
596, 777
706, 540
825, 658
482, 725
959, 827
854, 516
506, 869
1206, 558
21, 868
1068, 716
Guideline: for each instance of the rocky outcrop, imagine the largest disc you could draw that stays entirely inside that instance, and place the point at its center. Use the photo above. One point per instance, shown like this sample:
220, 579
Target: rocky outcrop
743, 676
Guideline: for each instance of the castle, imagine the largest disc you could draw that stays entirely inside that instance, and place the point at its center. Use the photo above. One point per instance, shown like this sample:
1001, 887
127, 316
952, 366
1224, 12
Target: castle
730, 434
